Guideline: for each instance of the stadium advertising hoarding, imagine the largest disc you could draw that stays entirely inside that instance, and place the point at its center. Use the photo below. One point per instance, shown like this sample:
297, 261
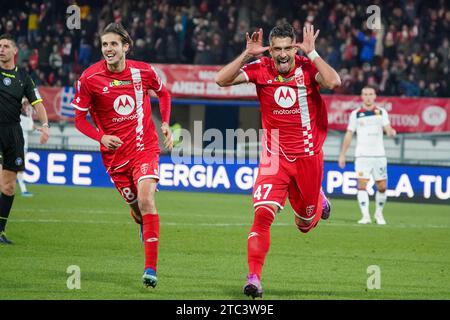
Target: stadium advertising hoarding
417, 183
407, 115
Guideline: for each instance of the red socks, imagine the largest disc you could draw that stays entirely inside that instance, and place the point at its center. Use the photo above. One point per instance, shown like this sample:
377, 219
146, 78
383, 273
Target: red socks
150, 224
258, 242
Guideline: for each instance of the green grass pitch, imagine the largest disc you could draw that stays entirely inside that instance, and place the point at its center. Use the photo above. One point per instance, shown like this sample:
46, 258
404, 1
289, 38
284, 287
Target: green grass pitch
202, 253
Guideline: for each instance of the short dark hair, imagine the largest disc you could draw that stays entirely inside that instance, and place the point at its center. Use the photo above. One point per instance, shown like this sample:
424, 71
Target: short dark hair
8, 37
369, 86
118, 29
284, 30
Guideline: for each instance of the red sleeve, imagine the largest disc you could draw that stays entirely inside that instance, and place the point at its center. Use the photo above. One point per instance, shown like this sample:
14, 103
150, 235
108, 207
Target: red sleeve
82, 98
85, 127
163, 94
82, 104
154, 81
251, 70
164, 104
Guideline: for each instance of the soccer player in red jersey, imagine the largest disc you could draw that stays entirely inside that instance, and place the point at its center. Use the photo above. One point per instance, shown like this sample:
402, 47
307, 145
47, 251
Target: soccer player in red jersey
294, 119
115, 91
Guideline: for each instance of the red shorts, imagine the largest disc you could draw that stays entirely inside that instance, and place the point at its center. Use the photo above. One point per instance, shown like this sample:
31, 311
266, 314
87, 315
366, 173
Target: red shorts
126, 176
300, 180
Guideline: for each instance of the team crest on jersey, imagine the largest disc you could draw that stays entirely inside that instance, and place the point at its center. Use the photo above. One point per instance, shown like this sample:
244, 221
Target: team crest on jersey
309, 210
144, 168
299, 77
137, 85
124, 105
285, 97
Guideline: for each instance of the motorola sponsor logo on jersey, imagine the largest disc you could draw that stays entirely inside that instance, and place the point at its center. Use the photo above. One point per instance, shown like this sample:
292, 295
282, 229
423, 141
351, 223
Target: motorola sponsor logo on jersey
124, 105
285, 97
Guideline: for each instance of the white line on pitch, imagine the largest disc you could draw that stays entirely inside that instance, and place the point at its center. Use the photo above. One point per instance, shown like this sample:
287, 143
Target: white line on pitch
279, 224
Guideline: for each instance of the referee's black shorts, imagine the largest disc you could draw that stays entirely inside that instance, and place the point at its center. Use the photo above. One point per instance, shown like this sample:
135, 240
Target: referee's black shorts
11, 147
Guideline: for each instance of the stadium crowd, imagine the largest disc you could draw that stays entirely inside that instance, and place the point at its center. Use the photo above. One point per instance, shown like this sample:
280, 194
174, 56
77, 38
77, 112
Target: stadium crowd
408, 56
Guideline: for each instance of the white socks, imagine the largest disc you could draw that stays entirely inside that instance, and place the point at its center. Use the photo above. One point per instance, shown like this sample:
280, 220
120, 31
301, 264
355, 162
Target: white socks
21, 182
363, 200
380, 200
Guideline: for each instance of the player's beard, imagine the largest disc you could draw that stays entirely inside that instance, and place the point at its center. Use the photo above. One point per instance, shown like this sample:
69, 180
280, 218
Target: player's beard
284, 67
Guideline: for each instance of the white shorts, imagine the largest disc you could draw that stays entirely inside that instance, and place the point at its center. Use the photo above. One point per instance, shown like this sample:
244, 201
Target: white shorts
377, 167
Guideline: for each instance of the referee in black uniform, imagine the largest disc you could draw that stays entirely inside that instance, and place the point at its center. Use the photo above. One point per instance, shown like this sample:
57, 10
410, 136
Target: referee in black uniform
14, 84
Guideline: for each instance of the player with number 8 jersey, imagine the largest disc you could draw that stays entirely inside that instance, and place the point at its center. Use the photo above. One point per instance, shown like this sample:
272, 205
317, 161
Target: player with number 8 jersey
294, 120
115, 91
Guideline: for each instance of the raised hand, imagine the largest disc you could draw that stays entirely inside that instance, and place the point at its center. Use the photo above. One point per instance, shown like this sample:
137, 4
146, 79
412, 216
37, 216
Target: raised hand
255, 43
309, 39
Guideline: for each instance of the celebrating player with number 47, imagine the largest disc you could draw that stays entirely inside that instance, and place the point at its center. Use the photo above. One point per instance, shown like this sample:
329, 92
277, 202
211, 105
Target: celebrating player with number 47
294, 118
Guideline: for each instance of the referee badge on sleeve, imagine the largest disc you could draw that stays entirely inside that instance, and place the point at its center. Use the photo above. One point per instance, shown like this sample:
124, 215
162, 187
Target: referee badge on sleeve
19, 161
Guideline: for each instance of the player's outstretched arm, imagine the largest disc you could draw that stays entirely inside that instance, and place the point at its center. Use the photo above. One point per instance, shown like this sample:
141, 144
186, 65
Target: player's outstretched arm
327, 77
231, 74
345, 145
42, 116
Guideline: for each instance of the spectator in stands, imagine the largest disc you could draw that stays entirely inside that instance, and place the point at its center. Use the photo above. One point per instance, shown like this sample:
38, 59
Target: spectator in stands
84, 57
44, 51
24, 53
67, 54
210, 32
33, 24
367, 42
22, 28
55, 59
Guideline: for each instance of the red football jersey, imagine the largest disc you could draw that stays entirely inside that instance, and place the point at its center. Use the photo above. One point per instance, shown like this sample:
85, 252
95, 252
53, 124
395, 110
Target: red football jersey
119, 104
292, 104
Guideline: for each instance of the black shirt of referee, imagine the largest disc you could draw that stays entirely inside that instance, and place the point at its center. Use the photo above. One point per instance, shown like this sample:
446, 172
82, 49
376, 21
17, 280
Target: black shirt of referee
15, 84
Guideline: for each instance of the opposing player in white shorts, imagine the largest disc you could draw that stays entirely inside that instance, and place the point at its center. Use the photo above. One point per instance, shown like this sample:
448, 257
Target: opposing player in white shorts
369, 122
